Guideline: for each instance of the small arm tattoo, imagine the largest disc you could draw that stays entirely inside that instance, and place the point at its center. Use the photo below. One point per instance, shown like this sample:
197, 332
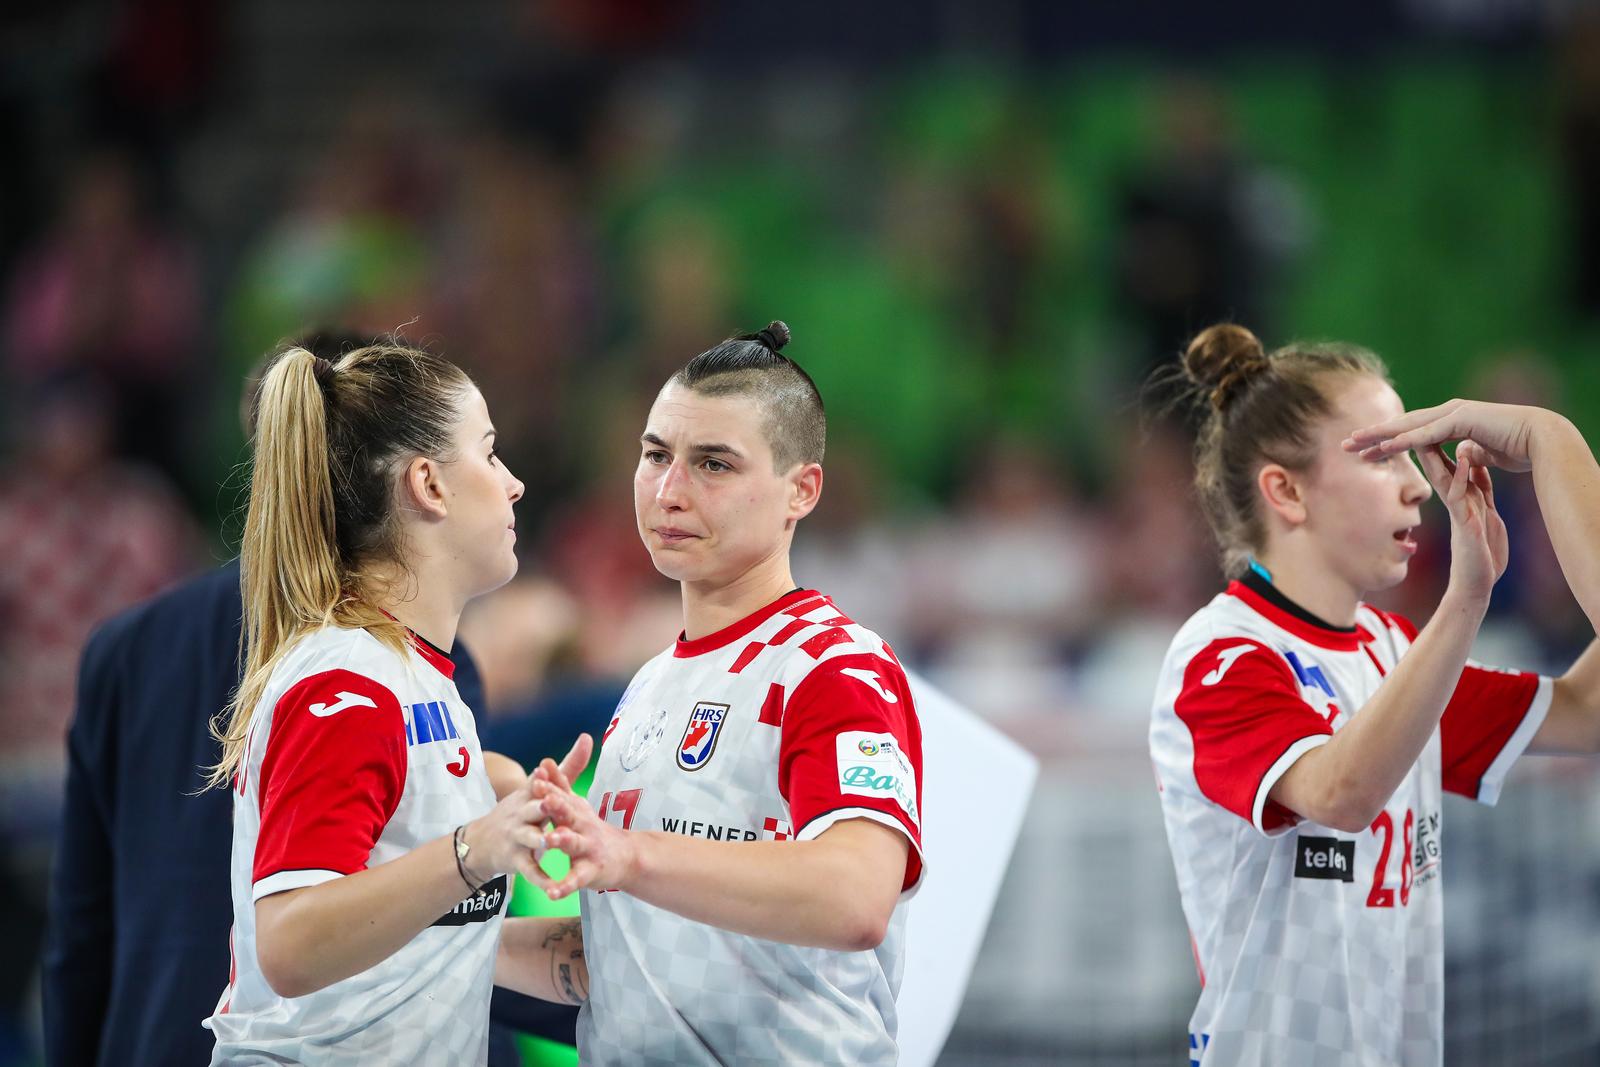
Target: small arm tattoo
569, 973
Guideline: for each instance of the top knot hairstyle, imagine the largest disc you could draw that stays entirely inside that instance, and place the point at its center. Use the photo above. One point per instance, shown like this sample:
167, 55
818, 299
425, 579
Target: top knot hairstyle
1258, 408
752, 364
330, 440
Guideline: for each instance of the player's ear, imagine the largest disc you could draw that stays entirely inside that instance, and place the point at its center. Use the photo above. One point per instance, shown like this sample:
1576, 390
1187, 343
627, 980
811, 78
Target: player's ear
1282, 493
805, 489
422, 488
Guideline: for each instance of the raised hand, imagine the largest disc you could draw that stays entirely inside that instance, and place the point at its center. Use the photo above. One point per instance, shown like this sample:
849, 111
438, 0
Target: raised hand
603, 856
1479, 548
1499, 435
509, 838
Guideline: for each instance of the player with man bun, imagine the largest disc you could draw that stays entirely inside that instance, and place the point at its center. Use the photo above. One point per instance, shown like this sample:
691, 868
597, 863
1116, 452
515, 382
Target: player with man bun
759, 789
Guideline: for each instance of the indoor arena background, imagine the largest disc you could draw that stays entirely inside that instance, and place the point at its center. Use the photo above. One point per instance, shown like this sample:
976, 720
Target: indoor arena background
985, 223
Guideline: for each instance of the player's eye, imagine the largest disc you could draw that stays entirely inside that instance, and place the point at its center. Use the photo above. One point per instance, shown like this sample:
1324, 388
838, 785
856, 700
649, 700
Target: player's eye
654, 455
716, 466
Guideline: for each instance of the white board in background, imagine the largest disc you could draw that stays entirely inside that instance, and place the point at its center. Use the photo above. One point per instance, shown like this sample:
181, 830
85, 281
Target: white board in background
975, 788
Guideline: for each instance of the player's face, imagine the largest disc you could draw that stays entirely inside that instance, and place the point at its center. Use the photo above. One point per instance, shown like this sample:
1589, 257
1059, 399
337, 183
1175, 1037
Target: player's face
480, 492
1363, 514
710, 506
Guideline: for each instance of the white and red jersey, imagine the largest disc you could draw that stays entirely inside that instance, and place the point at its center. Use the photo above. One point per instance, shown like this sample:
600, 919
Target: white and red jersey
772, 729
356, 756
1314, 946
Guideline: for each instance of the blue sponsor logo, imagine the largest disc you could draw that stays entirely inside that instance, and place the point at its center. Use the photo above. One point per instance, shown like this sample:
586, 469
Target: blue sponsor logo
1197, 1048
1309, 675
430, 722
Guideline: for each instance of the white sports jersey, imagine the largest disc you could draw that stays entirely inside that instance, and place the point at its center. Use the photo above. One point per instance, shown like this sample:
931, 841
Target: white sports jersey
362, 757
774, 728
1315, 947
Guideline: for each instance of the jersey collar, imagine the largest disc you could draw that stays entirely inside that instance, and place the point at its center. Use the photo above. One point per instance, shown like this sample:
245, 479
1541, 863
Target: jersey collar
432, 654
1265, 600
729, 634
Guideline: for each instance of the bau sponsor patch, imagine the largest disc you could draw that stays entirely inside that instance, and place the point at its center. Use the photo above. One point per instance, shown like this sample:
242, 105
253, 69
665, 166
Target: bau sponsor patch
872, 765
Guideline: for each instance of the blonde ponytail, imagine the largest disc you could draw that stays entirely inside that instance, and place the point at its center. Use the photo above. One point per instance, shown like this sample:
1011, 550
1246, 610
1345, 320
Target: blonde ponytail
291, 573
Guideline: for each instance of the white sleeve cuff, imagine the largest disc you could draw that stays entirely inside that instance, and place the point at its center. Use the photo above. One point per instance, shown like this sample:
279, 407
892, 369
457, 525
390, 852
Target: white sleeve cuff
1495, 777
286, 880
813, 829
1278, 770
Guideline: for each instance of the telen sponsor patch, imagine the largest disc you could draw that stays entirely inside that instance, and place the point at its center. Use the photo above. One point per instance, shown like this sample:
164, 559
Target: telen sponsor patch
1325, 857
872, 765
480, 907
700, 736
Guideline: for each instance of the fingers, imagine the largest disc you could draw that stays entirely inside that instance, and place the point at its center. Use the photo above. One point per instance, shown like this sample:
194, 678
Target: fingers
1425, 426
529, 837
1440, 471
577, 758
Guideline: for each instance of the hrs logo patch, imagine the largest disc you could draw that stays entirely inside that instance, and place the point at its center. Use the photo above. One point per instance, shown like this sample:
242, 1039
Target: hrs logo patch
1328, 858
700, 736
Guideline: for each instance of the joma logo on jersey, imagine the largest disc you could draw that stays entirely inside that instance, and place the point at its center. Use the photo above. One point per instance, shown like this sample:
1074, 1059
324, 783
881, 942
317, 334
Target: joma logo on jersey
1325, 857
700, 736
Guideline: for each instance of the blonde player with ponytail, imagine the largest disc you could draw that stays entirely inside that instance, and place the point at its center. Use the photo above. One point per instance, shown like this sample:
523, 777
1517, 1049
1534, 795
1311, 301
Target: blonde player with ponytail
370, 857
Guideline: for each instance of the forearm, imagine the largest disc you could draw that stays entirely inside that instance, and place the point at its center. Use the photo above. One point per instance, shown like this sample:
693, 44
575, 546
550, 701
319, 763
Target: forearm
822, 893
1346, 782
506, 775
308, 939
1566, 480
543, 957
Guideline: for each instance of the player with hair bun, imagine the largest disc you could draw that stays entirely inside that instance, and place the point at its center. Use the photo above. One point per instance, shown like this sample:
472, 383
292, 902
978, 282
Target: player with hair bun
759, 791
1302, 738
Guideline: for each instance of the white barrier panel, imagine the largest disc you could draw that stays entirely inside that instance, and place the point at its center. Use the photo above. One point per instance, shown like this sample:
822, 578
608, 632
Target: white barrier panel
976, 785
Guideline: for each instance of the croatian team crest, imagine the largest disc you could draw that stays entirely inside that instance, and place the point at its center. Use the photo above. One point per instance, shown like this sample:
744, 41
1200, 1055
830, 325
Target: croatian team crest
700, 736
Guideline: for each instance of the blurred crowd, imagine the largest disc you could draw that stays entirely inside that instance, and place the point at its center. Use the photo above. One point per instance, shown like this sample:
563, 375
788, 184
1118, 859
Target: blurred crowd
980, 287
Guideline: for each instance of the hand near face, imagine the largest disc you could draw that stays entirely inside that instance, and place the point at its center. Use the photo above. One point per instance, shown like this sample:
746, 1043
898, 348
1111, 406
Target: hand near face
1491, 435
1479, 548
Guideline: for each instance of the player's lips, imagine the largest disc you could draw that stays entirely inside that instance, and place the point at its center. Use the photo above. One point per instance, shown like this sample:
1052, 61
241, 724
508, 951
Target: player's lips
672, 535
1406, 541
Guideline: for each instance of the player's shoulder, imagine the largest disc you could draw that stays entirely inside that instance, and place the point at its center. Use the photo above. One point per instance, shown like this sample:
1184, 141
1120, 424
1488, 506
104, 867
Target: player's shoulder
822, 638
340, 655
1224, 618
1376, 623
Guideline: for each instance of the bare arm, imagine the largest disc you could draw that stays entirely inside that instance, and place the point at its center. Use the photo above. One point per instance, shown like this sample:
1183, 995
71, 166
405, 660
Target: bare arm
505, 774
543, 957
1572, 726
1347, 781
1567, 483
837, 891
309, 938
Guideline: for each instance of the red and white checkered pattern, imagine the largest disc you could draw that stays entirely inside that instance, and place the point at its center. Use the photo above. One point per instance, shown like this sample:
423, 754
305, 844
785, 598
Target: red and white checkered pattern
1302, 962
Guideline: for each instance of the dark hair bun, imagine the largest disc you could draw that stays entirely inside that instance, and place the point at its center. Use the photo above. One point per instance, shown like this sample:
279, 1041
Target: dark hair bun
1222, 359
775, 336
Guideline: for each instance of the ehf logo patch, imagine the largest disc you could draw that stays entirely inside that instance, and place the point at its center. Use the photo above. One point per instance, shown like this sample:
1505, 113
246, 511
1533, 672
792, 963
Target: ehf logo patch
700, 736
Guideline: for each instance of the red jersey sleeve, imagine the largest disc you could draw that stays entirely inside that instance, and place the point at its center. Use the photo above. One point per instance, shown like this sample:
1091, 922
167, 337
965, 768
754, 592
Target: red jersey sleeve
1249, 724
331, 777
852, 748
1491, 718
